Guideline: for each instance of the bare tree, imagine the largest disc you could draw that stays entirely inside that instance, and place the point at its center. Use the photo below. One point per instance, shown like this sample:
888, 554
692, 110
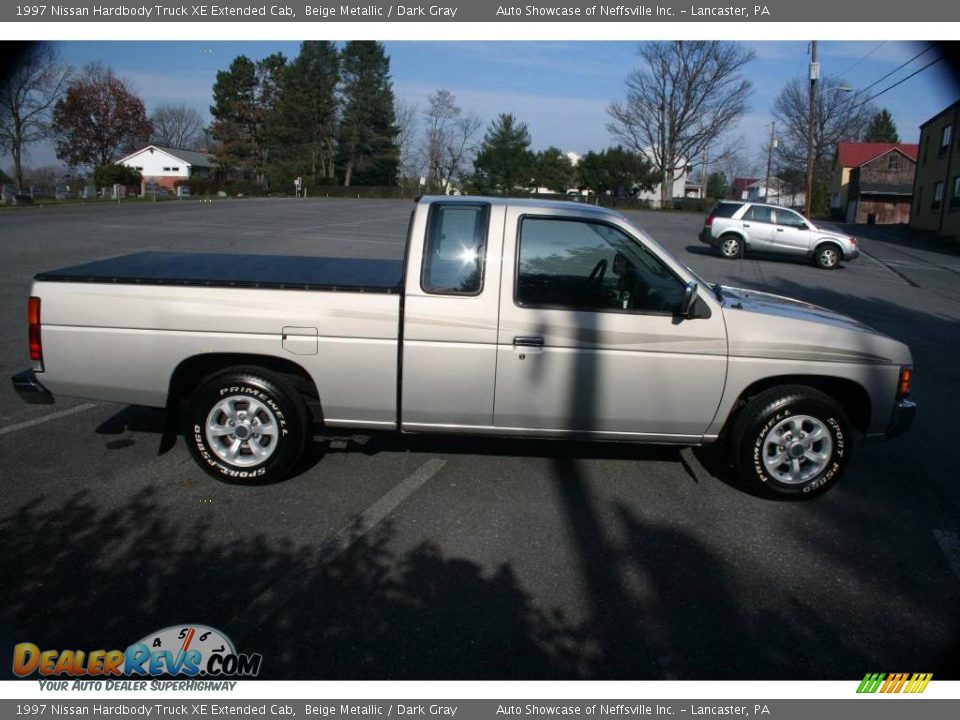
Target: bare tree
682, 98
177, 126
27, 96
450, 140
838, 116
406, 114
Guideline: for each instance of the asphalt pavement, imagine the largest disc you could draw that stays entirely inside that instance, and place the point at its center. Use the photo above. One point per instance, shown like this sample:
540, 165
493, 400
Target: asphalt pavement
479, 558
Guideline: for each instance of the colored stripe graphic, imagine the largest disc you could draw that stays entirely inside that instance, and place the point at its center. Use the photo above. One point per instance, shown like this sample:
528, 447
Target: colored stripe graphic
894, 682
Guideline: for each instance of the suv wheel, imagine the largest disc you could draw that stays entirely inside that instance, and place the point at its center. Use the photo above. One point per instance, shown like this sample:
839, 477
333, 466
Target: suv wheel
827, 256
246, 426
731, 247
791, 441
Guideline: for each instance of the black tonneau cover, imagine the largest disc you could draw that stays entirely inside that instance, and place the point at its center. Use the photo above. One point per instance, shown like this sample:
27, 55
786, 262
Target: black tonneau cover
229, 270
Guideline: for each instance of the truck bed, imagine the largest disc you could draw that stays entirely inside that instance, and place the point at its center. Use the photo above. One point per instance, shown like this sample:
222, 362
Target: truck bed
235, 270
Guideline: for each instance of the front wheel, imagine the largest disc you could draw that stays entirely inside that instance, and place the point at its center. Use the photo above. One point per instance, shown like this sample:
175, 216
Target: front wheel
791, 441
827, 256
246, 426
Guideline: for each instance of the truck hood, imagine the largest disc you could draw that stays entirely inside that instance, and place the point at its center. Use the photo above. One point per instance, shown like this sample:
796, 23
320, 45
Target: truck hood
761, 324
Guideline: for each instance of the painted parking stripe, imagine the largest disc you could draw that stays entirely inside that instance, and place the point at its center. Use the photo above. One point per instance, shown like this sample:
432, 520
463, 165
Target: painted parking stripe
271, 599
46, 418
949, 543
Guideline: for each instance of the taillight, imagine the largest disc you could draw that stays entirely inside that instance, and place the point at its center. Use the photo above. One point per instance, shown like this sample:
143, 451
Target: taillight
709, 220
903, 384
33, 324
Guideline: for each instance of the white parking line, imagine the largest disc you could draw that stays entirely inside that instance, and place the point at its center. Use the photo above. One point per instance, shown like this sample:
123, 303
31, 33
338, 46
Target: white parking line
949, 544
46, 418
271, 599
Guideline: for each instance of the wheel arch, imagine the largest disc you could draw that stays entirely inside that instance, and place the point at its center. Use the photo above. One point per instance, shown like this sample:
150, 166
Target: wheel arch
192, 371
849, 394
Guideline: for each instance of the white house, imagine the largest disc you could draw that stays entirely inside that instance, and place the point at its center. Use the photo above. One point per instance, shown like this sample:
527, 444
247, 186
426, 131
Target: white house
779, 193
165, 167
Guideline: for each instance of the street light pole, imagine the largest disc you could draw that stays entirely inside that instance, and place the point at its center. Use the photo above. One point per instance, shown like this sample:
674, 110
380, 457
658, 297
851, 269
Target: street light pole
766, 187
811, 119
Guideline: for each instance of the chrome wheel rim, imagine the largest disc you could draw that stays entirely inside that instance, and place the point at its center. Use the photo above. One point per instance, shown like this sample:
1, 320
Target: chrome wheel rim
730, 247
828, 258
242, 431
797, 449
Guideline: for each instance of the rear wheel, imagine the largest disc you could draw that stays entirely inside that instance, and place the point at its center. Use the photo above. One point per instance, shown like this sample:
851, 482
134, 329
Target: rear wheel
791, 441
731, 247
246, 426
827, 256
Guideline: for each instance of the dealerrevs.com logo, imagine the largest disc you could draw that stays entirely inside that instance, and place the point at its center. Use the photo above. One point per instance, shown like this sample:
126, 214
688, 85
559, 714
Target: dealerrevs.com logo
178, 650
894, 683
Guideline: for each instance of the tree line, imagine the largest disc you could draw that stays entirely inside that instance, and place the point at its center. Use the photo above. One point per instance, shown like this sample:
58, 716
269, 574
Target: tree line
330, 116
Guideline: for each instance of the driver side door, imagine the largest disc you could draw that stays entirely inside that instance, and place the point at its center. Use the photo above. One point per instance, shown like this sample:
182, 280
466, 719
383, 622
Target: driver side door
590, 342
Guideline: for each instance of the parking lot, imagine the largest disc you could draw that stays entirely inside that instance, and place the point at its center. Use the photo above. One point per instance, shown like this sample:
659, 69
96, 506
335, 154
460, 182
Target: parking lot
446, 558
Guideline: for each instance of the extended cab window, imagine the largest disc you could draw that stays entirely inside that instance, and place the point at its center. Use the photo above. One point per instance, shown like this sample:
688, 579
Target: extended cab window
586, 265
759, 213
454, 252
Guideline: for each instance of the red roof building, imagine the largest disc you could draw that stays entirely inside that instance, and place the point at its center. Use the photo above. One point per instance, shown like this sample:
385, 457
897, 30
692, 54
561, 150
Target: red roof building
861, 160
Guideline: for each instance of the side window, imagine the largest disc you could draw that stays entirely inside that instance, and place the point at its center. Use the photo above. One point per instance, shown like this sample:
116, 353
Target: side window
759, 213
790, 219
585, 265
453, 256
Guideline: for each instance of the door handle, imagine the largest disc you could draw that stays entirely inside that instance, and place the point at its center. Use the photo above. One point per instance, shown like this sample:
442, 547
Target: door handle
528, 341
746, 224
779, 229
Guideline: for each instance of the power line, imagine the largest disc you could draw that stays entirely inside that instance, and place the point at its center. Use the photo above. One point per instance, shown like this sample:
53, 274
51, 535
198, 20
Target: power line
898, 82
899, 67
863, 58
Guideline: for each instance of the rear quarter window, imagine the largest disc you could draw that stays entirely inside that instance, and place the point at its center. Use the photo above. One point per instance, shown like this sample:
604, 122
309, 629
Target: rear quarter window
726, 209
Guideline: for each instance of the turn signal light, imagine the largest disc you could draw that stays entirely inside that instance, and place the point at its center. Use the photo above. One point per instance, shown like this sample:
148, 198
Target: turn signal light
33, 324
903, 385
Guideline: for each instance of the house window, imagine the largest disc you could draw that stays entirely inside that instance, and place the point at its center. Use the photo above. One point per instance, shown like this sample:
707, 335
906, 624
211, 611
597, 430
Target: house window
955, 195
175, 169
926, 146
937, 195
893, 162
946, 136
166, 169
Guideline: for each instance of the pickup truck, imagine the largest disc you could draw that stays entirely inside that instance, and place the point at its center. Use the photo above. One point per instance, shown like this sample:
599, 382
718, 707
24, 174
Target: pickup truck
531, 319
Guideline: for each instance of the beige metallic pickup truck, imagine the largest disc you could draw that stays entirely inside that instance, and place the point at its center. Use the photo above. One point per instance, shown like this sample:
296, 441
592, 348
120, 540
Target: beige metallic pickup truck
511, 318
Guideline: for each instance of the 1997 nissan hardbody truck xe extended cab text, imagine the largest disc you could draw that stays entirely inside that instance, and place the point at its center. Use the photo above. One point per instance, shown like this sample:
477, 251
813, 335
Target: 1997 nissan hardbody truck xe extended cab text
511, 318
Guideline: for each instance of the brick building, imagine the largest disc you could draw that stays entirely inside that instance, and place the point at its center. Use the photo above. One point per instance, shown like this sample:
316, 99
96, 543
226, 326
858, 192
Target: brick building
873, 182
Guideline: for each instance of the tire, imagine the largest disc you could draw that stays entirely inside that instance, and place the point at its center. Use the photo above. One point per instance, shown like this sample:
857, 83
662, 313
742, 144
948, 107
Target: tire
776, 424
827, 256
248, 400
731, 247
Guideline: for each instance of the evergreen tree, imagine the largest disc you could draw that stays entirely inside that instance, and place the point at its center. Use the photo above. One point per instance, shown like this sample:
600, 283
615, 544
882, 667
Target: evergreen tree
882, 129
618, 171
552, 170
504, 163
368, 153
244, 100
717, 185
303, 130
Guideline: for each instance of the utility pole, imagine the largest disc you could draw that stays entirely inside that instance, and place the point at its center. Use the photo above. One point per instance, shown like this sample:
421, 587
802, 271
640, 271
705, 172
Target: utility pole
766, 186
811, 119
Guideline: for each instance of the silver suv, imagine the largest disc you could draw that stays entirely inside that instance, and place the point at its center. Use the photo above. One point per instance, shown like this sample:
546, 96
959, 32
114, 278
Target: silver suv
736, 227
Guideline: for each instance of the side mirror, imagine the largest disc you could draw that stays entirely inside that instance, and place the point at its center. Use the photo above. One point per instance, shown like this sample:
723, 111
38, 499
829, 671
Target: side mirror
692, 307
689, 299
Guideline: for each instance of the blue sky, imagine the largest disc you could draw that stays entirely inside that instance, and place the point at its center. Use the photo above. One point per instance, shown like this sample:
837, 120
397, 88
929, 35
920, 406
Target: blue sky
560, 89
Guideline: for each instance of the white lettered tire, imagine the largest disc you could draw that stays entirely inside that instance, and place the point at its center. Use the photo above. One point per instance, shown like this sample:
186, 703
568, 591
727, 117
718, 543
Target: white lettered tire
246, 426
791, 441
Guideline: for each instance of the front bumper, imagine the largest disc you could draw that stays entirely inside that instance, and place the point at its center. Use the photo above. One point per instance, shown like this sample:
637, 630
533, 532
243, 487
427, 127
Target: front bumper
852, 254
903, 413
29, 388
